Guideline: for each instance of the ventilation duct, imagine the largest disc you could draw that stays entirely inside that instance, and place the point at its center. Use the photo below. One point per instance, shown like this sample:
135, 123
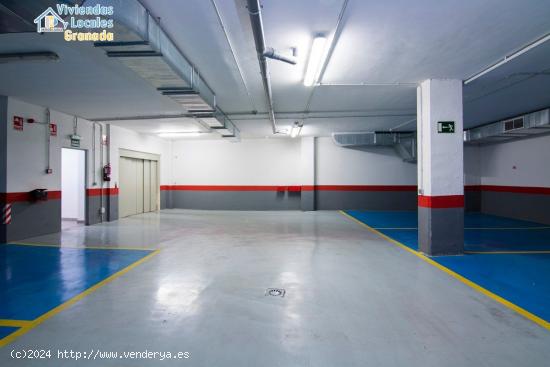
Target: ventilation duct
145, 48
518, 127
403, 143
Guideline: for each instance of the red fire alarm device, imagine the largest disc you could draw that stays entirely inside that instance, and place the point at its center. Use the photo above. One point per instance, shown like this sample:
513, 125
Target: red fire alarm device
53, 129
107, 172
18, 123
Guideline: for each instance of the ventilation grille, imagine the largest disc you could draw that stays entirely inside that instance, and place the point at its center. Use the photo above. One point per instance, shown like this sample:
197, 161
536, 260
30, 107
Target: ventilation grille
513, 124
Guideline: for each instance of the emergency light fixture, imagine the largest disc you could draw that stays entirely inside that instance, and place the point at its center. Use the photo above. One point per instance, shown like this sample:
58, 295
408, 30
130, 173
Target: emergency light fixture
296, 129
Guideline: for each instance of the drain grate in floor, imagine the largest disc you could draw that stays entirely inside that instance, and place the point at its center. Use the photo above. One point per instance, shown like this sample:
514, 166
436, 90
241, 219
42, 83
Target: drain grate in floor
275, 292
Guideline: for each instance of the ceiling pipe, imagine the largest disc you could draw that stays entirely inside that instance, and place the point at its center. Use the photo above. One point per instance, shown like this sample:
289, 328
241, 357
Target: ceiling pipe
367, 84
259, 39
290, 115
508, 58
333, 41
272, 54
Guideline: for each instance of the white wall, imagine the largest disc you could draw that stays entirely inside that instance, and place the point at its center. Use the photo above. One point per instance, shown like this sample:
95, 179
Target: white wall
27, 149
472, 165
250, 162
121, 138
376, 166
523, 162
280, 162
73, 176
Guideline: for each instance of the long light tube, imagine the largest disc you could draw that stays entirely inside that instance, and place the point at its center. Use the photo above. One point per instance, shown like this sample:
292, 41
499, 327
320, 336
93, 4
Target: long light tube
315, 59
179, 135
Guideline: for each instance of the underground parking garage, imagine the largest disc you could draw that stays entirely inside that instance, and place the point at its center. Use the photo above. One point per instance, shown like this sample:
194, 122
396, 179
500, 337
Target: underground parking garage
274, 183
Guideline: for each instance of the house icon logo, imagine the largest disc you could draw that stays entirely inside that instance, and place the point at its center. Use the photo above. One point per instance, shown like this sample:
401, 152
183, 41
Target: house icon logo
50, 21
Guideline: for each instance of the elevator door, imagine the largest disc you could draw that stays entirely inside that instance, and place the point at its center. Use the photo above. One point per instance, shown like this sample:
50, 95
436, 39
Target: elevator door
138, 186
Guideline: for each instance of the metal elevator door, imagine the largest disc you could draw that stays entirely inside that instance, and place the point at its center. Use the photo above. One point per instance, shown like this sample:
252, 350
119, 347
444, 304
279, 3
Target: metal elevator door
138, 186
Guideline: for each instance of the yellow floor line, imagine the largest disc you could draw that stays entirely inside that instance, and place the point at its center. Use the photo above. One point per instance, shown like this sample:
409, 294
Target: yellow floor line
8, 339
79, 247
15, 323
392, 228
506, 252
545, 324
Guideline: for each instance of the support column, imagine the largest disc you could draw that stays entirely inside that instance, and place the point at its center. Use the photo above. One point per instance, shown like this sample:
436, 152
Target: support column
440, 167
307, 160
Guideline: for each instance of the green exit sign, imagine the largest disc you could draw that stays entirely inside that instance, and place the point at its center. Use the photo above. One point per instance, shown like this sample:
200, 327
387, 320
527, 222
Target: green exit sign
446, 127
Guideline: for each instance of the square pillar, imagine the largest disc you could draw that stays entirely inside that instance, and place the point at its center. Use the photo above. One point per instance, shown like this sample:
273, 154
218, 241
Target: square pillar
440, 167
307, 162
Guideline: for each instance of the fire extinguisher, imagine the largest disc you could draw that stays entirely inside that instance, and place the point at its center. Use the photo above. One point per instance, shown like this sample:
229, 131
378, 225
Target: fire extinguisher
107, 172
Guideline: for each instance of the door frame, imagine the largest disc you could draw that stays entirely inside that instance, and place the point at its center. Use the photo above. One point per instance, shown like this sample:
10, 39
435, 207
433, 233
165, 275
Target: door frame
86, 214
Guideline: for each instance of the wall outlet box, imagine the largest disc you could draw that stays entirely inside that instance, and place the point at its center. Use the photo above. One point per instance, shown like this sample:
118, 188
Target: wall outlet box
102, 210
49, 171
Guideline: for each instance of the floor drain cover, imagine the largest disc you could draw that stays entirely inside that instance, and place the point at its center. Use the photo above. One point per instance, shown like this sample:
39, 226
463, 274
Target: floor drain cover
275, 292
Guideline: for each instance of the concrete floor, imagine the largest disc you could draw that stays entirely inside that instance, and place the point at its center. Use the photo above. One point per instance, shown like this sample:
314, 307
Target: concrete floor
353, 299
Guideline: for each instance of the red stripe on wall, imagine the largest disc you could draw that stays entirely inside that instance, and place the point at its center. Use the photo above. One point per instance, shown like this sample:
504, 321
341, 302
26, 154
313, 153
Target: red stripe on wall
17, 197
439, 202
517, 189
106, 191
219, 188
289, 188
472, 188
363, 187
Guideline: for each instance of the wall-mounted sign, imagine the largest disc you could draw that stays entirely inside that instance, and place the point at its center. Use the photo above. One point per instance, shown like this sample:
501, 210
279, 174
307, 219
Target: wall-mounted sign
18, 123
53, 129
446, 127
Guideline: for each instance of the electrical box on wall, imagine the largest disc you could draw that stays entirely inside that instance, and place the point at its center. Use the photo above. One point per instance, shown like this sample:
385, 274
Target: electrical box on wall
107, 172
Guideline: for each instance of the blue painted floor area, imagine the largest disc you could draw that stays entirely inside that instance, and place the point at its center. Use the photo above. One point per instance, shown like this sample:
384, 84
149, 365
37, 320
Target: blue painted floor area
523, 279
410, 220
7, 330
34, 280
485, 240
507, 240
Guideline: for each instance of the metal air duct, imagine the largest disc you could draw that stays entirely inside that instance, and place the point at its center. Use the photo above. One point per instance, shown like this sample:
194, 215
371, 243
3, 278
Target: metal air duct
518, 127
403, 143
144, 47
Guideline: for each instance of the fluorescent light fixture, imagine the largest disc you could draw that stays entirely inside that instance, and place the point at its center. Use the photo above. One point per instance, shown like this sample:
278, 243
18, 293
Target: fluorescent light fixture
314, 63
179, 135
296, 129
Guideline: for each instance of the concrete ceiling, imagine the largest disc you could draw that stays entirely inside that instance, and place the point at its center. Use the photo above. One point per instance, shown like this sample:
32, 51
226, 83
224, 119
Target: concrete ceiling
395, 41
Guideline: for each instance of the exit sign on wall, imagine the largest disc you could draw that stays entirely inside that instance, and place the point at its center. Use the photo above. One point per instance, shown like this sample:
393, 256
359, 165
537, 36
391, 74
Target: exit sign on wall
446, 127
